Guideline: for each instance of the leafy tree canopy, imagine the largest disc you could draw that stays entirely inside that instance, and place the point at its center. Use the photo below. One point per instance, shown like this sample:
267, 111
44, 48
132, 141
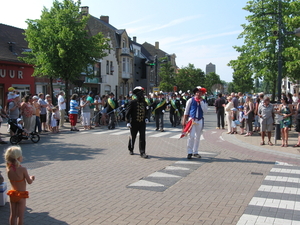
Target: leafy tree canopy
60, 44
210, 80
166, 74
268, 21
189, 77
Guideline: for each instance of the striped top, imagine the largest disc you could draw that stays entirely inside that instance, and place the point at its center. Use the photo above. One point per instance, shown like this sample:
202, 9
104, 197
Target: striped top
73, 105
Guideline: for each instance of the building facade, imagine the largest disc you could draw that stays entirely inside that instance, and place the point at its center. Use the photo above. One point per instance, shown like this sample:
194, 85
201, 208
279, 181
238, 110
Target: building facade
13, 72
210, 68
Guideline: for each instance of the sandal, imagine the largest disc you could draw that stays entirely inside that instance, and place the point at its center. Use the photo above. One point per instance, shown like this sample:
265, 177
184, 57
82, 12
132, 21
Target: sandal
262, 143
295, 146
270, 143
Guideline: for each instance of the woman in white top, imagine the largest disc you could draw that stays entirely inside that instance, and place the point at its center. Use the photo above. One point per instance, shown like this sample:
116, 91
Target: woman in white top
228, 108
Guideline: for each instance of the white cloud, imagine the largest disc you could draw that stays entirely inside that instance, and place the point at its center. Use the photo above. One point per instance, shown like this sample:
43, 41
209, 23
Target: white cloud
213, 36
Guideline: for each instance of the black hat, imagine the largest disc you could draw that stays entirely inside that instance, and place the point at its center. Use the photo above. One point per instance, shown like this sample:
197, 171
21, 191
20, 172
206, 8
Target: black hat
137, 89
195, 90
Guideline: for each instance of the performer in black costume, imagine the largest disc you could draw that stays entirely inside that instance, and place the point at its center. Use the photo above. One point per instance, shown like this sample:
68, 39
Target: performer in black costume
136, 120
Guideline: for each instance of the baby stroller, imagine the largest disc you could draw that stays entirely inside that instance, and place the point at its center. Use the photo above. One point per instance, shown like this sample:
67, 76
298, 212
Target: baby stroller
18, 134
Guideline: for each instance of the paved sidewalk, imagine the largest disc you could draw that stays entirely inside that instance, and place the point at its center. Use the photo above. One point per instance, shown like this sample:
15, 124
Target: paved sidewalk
255, 140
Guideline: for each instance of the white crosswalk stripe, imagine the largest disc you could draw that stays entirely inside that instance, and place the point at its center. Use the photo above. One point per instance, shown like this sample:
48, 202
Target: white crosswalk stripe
283, 179
121, 132
173, 133
279, 192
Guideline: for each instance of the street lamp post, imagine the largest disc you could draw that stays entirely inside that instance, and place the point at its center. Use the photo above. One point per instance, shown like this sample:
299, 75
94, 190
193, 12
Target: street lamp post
156, 70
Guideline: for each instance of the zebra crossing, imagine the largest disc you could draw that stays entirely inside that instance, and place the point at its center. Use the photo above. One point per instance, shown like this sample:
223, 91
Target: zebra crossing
161, 180
173, 133
277, 200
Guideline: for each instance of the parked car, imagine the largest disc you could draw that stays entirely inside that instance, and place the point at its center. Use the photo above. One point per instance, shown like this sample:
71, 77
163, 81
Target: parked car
211, 100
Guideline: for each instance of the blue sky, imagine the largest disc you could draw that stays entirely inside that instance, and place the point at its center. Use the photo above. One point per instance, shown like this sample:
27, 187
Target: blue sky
197, 31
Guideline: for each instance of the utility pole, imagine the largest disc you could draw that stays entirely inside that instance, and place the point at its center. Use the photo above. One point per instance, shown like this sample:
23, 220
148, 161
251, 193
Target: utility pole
280, 40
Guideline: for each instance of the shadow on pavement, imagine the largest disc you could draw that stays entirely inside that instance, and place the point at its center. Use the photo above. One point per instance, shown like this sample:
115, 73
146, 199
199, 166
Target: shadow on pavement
33, 152
29, 217
240, 161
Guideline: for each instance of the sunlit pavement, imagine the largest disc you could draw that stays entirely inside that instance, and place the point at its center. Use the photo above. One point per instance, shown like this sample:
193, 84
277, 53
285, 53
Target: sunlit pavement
88, 177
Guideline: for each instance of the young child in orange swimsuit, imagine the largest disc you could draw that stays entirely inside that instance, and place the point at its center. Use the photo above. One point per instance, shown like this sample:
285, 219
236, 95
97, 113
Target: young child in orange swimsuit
18, 177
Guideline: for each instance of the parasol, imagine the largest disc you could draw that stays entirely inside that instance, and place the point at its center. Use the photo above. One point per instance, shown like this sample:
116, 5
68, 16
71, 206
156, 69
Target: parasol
187, 128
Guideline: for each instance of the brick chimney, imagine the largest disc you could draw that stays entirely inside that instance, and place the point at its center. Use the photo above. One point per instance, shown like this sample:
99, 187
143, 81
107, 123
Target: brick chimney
156, 45
134, 39
85, 10
105, 19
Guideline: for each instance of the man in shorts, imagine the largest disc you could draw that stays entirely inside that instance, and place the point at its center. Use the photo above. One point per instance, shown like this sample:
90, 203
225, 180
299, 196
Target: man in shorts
266, 115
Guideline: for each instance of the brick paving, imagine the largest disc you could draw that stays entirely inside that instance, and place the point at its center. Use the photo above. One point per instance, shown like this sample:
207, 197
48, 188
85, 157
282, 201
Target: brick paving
84, 178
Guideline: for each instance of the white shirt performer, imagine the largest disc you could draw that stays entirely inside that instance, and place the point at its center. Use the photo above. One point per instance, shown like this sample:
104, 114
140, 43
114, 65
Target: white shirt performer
195, 109
61, 107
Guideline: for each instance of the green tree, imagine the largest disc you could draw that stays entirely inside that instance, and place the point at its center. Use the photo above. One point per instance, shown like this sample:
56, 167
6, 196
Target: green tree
189, 77
166, 74
60, 44
210, 80
259, 54
230, 88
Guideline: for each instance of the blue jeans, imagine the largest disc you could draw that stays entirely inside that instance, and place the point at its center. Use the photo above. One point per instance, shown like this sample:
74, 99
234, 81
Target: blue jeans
38, 124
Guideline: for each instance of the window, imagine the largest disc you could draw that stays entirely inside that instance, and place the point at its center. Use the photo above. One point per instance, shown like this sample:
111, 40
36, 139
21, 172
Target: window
124, 65
127, 65
130, 66
107, 67
111, 68
124, 45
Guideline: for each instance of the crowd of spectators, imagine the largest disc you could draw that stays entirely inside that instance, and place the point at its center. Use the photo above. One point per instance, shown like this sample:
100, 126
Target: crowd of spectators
40, 115
256, 114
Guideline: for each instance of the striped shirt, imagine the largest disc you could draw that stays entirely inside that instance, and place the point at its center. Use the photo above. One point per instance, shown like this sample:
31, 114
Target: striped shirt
73, 105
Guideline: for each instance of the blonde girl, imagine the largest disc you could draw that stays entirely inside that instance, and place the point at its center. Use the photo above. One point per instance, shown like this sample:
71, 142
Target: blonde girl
54, 118
18, 176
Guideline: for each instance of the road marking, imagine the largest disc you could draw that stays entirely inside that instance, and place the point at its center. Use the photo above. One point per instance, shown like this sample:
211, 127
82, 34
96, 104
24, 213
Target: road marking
291, 171
159, 134
160, 174
102, 132
145, 183
206, 153
176, 168
275, 203
187, 162
283, 179
251, 219
279, 189
121, 132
